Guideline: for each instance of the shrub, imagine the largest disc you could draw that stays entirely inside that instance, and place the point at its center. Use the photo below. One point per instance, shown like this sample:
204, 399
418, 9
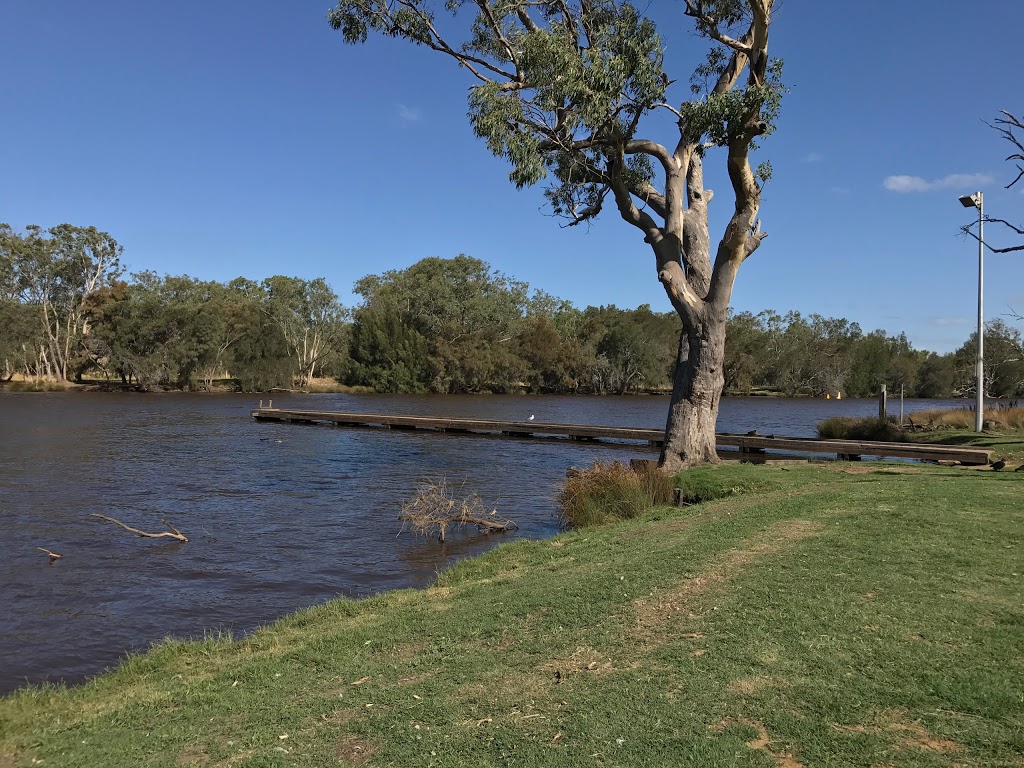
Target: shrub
851, 428
610, 492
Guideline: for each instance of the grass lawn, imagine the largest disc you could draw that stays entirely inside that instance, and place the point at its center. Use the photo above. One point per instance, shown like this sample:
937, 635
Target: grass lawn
814, 615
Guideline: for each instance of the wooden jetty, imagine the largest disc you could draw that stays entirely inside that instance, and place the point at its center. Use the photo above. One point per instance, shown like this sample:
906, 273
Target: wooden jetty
752, 447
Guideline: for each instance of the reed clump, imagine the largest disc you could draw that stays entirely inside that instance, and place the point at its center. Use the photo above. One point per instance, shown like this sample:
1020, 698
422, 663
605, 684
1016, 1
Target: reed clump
853, 428
1001, 419
612, 491
38, 385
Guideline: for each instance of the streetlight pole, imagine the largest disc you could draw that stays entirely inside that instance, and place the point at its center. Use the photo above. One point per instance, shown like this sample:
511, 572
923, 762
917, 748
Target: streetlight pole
977, 200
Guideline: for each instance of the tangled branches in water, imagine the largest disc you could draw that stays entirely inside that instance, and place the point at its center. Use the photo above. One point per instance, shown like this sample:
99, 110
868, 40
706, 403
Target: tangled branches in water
434, 509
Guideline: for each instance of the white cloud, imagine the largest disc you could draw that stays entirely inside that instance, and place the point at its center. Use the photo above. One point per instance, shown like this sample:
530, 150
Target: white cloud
812, 157
948, 320
409, 114
962, 181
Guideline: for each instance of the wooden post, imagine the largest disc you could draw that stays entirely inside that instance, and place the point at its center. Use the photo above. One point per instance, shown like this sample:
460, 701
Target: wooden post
881, 404
901, 405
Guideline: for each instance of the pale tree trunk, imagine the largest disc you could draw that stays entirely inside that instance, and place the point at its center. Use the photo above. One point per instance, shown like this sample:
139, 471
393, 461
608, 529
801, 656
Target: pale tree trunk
699, 289
696, 391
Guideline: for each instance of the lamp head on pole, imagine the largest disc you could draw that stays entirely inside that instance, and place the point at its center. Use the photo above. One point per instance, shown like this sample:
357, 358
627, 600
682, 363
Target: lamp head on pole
971, 201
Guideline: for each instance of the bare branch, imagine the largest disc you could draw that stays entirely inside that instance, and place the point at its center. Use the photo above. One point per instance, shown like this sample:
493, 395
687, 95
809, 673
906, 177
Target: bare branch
177, 535
438, 43
1007, 133
966, 229
434, 509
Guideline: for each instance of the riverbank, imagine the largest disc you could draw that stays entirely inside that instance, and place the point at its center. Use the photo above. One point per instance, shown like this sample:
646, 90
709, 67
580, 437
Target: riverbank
864, 615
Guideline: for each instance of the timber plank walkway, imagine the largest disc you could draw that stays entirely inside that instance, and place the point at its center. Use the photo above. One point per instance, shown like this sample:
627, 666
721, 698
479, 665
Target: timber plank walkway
751, 446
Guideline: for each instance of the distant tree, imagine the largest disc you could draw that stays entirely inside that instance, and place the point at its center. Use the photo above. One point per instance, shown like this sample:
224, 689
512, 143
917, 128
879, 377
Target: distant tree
310, 317
386, 353
561, 90
56, 270
635, 347
1004, 362
467, 316
936, 375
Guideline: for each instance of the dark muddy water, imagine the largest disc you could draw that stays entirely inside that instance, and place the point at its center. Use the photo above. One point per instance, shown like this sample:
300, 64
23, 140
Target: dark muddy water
279, 517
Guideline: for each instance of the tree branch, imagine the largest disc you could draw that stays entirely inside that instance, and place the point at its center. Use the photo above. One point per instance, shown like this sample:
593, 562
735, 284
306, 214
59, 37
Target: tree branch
709, 24
966, 229
177, 535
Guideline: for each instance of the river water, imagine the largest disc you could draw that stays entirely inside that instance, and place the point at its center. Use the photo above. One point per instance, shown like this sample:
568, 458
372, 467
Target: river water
278, 516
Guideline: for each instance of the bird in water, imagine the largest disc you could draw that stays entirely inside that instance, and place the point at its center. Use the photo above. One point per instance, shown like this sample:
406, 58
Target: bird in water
998, 464
531, 417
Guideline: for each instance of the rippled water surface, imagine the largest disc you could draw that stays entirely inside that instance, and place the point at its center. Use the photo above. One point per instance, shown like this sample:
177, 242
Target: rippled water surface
278, 516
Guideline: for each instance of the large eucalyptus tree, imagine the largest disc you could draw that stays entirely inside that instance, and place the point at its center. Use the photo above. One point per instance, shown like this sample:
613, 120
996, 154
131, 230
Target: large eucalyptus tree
561, 89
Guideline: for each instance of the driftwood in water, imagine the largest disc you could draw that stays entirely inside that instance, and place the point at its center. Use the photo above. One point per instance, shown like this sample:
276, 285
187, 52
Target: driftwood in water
434, 509
53, 555
174, 533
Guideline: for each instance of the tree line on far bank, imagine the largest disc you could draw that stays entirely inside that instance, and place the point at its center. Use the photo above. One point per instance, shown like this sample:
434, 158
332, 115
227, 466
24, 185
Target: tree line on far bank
442, 325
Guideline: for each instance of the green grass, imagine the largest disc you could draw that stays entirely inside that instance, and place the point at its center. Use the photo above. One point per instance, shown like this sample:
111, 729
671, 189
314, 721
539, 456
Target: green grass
817, 615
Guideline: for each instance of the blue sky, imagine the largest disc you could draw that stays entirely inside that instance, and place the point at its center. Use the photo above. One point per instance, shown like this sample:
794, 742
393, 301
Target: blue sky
234, 138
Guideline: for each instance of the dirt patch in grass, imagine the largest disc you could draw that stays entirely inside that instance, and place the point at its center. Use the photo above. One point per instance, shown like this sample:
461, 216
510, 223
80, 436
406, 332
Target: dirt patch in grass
193, 754
343, 716
652, 614
905, 734
748, 686
6, 760
354, 751
583, 659
761, 742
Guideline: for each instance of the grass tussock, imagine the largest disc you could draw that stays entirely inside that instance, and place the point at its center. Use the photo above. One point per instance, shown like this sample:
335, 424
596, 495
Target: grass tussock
1002, 419
852, 428
611, 492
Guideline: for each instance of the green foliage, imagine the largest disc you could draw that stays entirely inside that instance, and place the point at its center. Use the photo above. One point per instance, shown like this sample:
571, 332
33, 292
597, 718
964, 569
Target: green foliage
1004, 362
310, 317
55, 271
637, 348
386, 354
817, 355
447, 325
561, 89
